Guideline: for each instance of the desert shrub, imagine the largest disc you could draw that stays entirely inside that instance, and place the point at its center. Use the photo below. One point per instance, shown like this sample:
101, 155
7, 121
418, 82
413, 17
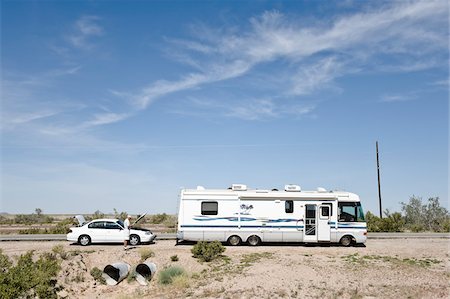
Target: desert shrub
96, 273
26, 219
392, 222
32, 231
174, 258
28, 278
34, 218
120, 215
146, 253
97, 215
170, 221
181, 281
5, 263
207, 251
426, 217
59, 250
168, 275
62, 227
131, 275
158, 218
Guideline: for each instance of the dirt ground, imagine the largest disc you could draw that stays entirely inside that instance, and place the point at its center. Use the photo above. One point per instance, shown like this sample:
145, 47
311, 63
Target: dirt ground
407, 268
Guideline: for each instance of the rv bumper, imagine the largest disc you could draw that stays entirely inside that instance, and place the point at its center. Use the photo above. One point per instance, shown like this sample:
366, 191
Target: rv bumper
180, 235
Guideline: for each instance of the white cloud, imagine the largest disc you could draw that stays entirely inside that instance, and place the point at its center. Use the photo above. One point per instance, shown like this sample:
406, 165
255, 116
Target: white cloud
85, 29
310, 57
105, 118
397, 98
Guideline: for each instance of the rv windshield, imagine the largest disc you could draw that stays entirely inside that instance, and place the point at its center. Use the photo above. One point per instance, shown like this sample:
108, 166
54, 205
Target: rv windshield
351, 212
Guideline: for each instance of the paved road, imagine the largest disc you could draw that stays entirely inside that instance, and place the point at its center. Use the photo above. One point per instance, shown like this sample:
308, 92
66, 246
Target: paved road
173, 236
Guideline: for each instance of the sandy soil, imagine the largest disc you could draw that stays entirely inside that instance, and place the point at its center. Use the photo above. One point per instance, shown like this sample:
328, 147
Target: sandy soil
409, 268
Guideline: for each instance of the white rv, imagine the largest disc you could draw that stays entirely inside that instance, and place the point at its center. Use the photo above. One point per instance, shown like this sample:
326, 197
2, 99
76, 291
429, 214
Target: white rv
238, 214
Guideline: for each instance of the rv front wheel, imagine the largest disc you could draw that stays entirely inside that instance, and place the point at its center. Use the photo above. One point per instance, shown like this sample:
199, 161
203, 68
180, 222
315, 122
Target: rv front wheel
346, 241
254, 240
234, 240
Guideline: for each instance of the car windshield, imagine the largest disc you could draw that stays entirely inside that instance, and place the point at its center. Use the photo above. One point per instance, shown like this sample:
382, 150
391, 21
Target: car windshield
119, 222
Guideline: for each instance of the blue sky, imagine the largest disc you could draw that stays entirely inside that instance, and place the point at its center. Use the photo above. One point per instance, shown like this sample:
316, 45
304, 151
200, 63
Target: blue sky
119, 104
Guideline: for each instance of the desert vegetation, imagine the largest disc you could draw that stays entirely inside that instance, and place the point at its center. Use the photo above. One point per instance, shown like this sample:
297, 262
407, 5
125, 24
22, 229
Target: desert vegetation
383, 269
416, 216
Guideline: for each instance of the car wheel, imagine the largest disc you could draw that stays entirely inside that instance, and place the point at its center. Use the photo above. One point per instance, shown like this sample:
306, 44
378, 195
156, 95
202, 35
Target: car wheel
254, 240
84, 240
134, 240
346, 241
234, 240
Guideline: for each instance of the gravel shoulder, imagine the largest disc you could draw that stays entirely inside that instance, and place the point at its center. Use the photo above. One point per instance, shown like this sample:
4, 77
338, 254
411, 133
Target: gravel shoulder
414, 268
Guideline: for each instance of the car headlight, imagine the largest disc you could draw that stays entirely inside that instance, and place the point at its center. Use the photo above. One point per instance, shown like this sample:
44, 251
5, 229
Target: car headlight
148, 233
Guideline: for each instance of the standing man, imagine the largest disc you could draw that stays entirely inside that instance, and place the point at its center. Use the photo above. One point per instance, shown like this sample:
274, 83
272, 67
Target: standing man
126, 232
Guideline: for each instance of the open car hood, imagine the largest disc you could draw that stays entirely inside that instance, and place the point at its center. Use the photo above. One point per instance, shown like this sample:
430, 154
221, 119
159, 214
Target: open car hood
139, 219
80, 219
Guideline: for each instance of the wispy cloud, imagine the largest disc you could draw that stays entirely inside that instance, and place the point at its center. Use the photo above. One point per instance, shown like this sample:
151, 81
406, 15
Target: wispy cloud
310, 56
105, 118
397, 98
85, 29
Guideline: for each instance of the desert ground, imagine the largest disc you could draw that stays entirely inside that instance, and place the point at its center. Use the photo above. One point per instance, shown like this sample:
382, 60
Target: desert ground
408, 268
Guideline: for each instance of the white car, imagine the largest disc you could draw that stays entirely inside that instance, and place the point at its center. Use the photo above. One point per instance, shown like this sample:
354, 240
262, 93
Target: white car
107, 231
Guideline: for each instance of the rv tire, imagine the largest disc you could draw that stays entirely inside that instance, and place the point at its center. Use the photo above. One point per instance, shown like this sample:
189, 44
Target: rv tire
254, 240
234, 240
346, 241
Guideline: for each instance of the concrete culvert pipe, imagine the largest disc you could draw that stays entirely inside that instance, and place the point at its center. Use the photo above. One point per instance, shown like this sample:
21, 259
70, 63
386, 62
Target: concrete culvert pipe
115, 273
145, 272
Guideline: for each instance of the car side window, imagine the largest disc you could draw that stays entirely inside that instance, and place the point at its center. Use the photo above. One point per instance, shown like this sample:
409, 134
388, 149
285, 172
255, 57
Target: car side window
97, 224
112, 225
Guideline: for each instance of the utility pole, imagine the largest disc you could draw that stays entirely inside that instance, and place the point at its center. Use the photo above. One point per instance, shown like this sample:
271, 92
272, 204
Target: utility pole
379, 188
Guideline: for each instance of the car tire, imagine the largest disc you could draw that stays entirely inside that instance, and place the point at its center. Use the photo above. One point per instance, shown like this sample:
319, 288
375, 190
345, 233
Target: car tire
134, 240
84, 240
254, 240
234, 240
346, 241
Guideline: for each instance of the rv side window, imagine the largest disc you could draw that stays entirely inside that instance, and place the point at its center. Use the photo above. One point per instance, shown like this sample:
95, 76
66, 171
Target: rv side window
331, 208
289, 206
325, 211
209, 208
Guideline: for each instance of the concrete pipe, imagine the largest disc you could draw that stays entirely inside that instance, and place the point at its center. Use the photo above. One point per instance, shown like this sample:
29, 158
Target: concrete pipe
115, 273
145, 272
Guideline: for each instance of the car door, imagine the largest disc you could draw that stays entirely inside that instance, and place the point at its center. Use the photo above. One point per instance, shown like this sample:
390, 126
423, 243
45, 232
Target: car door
113, 232
96, 230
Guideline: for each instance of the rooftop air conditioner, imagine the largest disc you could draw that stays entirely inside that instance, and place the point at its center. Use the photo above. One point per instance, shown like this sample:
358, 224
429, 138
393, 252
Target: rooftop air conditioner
292, 188
320, 189
239, 187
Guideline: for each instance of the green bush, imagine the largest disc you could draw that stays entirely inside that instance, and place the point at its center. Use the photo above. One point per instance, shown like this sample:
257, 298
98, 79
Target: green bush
96, 273
146, 253
174, 258
62, 227
426, 217
59, 250
28, 278
167, 276
158, 218
390, 223
207, 251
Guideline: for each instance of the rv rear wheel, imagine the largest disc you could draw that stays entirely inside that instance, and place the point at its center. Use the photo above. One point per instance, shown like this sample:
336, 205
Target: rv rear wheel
254, 240
234, 240
346, 241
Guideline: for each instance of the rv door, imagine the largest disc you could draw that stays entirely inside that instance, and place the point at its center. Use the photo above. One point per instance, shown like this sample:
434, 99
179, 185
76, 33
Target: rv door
324, 232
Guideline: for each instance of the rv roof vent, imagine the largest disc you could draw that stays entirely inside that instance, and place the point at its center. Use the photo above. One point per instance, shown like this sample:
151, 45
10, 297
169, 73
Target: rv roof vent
320, 189
200, 188
292, 188
238, 187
